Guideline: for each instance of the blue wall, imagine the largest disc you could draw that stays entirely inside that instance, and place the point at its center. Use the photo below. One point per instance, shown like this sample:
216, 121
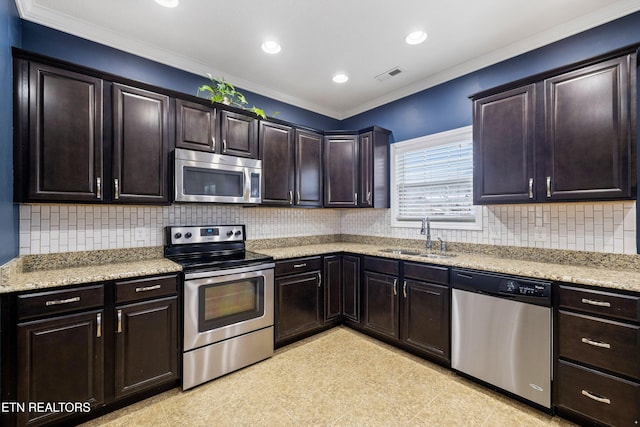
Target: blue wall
56, 44
447, 106
9, 218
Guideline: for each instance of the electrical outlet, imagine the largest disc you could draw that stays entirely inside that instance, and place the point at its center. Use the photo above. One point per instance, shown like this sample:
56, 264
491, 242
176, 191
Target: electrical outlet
140, 233
540, 234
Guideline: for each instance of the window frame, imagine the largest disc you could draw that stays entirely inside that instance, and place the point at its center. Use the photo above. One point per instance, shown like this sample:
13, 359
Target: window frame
441, 138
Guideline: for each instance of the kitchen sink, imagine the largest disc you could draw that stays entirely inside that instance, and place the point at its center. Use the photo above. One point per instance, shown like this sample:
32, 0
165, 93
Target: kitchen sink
436, 256
399, 251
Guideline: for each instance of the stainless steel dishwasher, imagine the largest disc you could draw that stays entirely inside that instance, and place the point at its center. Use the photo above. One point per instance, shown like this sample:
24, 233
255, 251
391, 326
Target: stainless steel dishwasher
501, 332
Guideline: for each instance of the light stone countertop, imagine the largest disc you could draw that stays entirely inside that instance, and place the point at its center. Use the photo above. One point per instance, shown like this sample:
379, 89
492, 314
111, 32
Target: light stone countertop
59, 270
20, 275
628, 280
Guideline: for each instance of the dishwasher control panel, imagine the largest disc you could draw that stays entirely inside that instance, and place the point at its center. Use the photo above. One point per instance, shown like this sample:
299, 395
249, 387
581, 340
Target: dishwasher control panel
516, 287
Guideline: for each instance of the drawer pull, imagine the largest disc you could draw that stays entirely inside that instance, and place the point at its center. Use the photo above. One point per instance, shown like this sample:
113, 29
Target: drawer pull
596, 398
596, 343
304, 264
62, 301
596, 303
148, 288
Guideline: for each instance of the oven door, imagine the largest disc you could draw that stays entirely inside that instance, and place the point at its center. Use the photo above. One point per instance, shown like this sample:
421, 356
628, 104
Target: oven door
227, 303
206, 177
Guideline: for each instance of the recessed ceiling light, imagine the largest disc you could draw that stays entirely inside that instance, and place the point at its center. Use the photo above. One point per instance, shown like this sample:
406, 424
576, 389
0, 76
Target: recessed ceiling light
271, 46
340, 78
416, 37
168, 3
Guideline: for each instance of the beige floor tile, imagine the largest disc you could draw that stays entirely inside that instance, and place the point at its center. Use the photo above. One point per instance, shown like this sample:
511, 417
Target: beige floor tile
337, 378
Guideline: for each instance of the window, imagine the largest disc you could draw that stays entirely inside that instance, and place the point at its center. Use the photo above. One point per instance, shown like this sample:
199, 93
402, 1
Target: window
433, 176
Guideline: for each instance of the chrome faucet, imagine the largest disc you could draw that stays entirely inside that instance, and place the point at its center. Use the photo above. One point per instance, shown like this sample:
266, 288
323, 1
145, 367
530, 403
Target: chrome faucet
426, 229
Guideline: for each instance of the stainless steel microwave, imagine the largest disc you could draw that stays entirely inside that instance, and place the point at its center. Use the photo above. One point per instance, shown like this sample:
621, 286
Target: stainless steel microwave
216, 178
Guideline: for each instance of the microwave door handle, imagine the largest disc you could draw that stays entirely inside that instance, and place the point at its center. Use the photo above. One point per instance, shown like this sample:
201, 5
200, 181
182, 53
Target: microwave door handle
247, 185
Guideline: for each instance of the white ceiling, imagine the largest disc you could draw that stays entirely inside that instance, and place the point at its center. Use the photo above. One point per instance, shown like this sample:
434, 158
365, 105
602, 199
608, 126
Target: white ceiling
362, 38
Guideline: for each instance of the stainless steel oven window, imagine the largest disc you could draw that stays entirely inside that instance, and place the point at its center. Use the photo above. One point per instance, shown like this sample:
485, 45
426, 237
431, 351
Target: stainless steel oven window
226, 303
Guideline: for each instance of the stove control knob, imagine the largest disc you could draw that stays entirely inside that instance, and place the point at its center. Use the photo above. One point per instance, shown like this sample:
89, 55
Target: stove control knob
238, 233
177, 235
187, 235
229, 233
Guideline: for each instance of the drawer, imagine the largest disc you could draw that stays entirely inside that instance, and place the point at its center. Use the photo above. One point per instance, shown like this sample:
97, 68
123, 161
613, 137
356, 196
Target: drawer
606, 344
382, 265
60, 301
605, 398
426, 273
298, 265
148, 288
621, 306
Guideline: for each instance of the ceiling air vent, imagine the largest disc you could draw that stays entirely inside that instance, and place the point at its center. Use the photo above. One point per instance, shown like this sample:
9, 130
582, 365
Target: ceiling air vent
389, 73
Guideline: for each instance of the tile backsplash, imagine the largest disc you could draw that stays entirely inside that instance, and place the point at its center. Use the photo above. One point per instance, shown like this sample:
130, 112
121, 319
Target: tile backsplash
594, 227
598, 227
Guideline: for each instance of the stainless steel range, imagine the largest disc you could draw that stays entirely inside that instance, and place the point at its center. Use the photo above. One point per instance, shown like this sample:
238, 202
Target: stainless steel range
228, 300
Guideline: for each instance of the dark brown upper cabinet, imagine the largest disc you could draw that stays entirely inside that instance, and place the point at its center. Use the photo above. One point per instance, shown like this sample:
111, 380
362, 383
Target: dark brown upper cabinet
341, 171
75, 144
291, 165
503, 137
357, 169
195, 126
562, 136
140, 145
238, 134
59, 134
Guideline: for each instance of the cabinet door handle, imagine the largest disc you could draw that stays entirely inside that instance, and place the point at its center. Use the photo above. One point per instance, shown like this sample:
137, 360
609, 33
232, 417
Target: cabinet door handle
548, 186
404, 289
99, 325
596, 303
596, 398
369, 197
297, 197
62, 301
148, 288
596, 343
531, 188
304, 264
355, 196
116, 186
98, 188
119, 330
224, 145
319, 279
290, 197
395, 286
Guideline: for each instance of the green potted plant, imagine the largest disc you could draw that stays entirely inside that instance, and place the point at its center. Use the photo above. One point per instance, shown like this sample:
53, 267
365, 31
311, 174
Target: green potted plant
221, 91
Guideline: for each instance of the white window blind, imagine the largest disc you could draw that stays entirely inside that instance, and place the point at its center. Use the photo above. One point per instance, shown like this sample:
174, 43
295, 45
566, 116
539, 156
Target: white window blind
435, 181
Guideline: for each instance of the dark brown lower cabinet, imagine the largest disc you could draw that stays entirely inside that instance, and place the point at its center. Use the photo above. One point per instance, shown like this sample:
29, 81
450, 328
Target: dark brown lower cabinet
299, 299
598, 356
425, 325
380, 296
60, 359
408, 308
342, 288
351, 288
146, 353
90, 346
597, 396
